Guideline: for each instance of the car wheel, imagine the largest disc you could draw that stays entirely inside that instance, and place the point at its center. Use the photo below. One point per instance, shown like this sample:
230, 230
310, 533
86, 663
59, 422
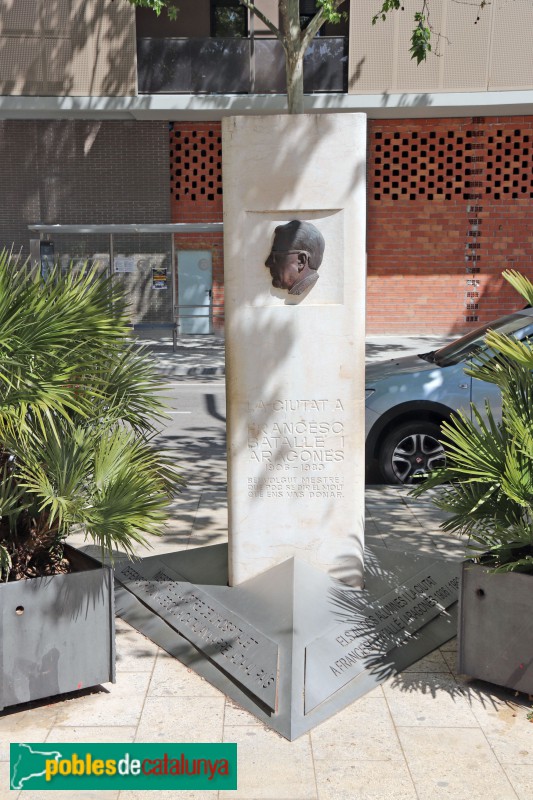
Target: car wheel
410, 451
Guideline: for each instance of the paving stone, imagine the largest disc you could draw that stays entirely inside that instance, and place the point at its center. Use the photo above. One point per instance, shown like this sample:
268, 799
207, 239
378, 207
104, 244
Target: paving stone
26, 725
91, 734
270, 767
181, 719
171, 794
235, 715
5, 791
505, 724
433, 662
454, 763
117, 704
364, 731
171, 678
135, 653
521, 777
426, 699
363, 780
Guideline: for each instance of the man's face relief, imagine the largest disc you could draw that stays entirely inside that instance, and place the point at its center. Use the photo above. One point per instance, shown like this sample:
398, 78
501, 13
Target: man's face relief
284, 262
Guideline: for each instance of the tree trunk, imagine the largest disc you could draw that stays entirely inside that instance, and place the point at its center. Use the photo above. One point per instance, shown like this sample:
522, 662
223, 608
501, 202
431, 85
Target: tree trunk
295, 83
289, 13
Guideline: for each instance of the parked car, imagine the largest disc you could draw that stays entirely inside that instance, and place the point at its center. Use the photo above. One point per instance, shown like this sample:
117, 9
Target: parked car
407, 399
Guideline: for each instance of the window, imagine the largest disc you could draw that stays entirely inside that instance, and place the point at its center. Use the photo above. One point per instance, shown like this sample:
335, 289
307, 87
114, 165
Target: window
308, 10
228, 19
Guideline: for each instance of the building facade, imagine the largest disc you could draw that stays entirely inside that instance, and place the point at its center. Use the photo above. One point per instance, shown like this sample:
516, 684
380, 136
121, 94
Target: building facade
111, 115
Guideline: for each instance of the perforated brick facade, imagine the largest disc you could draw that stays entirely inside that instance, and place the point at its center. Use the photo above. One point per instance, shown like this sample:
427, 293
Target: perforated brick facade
450, 205
196, 194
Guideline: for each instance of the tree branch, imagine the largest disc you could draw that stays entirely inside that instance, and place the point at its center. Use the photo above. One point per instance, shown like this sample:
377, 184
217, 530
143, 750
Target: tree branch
316, 23
259, 14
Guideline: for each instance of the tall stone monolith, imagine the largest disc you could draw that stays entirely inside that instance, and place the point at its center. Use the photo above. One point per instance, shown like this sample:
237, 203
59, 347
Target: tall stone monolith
294, 256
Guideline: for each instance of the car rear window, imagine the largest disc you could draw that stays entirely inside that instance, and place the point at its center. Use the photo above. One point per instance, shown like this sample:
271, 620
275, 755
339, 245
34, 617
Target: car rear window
517, 325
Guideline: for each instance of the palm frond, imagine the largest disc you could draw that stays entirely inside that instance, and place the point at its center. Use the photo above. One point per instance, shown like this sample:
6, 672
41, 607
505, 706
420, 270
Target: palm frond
78, 407
519, 282
486, 486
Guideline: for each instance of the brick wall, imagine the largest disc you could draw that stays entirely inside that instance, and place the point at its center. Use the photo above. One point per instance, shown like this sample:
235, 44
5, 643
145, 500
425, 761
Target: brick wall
450, 205
196, 194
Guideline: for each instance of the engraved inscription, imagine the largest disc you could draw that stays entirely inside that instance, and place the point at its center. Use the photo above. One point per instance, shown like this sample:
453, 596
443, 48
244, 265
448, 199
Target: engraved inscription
298, 437
392, 623
373, 628
291, 486
224, 637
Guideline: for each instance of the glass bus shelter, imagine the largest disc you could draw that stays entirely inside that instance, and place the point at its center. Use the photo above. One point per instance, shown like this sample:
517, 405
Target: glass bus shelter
162, 289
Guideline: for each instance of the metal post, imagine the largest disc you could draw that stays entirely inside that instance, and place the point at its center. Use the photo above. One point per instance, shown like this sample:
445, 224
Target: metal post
111, 256
174, 294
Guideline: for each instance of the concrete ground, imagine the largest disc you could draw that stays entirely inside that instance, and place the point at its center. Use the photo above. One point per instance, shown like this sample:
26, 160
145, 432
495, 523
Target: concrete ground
424, 734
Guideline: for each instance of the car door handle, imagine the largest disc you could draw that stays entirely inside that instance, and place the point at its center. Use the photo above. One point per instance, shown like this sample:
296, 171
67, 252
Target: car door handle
463, 386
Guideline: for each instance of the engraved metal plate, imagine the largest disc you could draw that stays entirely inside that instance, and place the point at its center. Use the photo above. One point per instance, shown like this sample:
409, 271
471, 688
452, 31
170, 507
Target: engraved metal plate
370, 629
233, 644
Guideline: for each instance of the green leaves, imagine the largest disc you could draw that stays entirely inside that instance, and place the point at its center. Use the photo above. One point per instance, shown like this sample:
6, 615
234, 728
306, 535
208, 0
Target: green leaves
420, 38
329, 8
487, 484
386, 8
78, 409
157, 6
421, 33
519, 282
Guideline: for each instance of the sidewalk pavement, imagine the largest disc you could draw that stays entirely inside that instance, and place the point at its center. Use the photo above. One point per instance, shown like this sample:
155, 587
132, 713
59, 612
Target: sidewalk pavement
425, 734
203, 356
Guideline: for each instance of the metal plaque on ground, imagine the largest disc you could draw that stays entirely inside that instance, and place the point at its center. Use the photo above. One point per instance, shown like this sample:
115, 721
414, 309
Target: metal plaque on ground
221, 635
292, 646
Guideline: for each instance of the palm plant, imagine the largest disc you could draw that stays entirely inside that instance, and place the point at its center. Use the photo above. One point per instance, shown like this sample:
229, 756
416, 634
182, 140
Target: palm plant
487, 483
78, 413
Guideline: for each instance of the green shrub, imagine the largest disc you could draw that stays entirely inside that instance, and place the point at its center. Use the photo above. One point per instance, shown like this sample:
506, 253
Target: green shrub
78, 412
487, 484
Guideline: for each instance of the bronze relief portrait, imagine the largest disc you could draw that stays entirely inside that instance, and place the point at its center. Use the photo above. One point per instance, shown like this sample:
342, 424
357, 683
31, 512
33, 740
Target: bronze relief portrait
295, 256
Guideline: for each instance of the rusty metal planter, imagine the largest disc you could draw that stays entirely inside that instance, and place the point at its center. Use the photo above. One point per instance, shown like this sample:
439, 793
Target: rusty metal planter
57, 634
496, 627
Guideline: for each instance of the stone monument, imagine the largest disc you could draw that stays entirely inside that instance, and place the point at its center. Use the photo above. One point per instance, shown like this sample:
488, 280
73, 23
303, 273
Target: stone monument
294, 202
277, 619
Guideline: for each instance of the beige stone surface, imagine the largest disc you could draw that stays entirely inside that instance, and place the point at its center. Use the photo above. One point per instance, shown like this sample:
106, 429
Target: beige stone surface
428, 700
503, 719
115, 704
235, 715
364, 780
454, 763
59, 794
433, 662
26, 725
181, 719
170, 678
521, 777
91, 734
135, 653
270, 767
295, 364
5, 791
364, 731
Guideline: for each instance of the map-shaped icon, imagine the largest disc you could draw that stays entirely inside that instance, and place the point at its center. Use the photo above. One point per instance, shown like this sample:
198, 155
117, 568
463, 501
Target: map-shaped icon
29, 761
